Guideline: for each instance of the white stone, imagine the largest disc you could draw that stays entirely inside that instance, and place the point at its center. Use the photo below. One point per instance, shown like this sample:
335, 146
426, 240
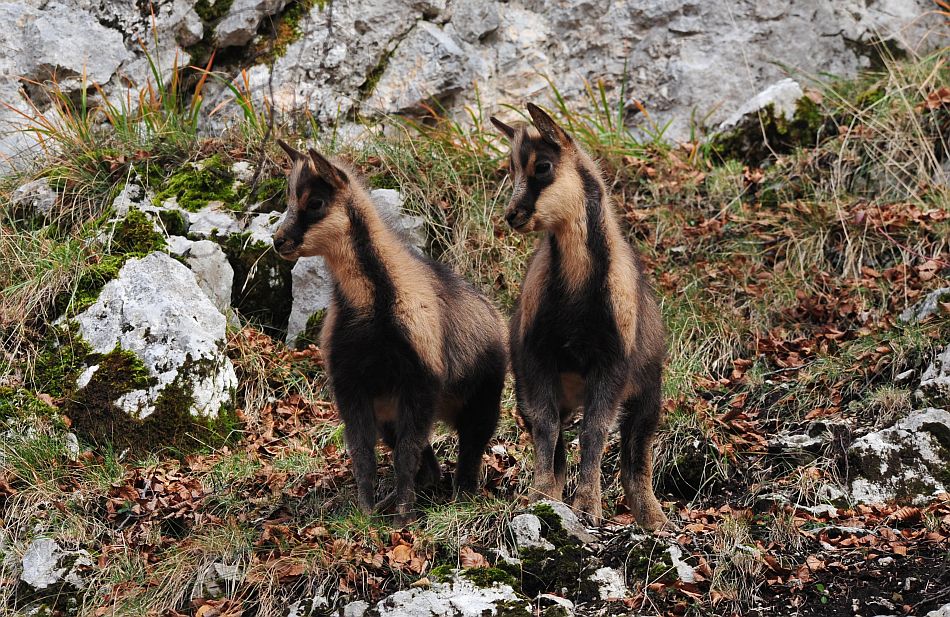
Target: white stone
935, 382
782, 96
428, 65
356, 609
46, 565
473, 19
456, 598
211, 267
240, 23
569, 521
943, 611
312, 290
610, 583
132, 195
926, 307
263, 226
36, 196
389, 203
155, 309
683, 569
551, 600
213, 221
901, 458
526, 529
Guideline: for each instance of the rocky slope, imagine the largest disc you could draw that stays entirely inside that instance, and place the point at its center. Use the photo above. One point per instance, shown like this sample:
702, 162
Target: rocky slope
669, 64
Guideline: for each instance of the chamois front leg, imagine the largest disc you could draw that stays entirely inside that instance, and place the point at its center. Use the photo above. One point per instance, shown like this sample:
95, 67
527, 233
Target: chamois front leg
416, 414
604, 386
359, 426
537, 400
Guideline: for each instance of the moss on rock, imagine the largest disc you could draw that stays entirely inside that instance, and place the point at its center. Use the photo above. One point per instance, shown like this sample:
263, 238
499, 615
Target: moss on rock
97, 419
263, 287
196, 185
135, 236
60, 361
763, 134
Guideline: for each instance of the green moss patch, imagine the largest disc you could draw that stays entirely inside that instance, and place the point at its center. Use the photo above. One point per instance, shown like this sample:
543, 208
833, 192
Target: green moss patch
97, 419
60, 361
760, 136
285, 31
194, 186
262, 287
21, 404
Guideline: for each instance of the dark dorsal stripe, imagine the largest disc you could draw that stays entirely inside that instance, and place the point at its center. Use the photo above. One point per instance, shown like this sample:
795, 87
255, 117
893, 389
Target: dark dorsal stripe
596, 233
370, 262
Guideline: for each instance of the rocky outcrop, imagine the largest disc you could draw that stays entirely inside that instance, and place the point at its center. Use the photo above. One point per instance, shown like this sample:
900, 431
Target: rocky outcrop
156, 310
48, 567
908, 462
400, 55
381, 57
935, 382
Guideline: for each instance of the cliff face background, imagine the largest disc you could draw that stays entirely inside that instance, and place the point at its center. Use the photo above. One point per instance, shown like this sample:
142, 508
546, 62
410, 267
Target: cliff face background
687, 63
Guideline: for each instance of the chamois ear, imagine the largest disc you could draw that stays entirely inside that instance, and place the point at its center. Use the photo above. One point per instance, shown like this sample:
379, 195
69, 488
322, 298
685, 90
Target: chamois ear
293, 154
327, 170
549, 129
508, 131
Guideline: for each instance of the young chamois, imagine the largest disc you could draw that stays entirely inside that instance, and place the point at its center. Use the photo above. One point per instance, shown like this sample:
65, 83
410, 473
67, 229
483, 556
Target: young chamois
405, 339
587, 331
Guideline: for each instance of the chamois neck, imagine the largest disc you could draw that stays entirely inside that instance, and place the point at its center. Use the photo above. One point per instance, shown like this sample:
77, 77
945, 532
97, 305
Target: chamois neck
359, 264
580, 240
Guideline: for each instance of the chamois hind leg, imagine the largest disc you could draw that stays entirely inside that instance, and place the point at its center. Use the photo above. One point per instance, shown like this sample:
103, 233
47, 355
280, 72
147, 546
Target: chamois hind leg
537, 402
476, 424
601, 402
428, 475
416, 414
359, 425
560, 463
639, 420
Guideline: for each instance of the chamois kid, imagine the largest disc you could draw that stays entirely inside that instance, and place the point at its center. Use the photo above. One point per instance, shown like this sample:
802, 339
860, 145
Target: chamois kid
406, 340
587, 330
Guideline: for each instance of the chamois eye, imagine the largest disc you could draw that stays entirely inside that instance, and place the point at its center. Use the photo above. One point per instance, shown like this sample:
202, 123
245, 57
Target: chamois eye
542, 167
317, 204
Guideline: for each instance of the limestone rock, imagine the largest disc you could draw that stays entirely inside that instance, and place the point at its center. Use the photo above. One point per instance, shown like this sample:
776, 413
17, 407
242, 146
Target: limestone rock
928, 306
475, 19
212, 221
458, 597
36, 197
47, 566
429, 65
907, 462
240, 23
569, 521
526, 530
943, 611
610, 583
156, 310
781, 96
214, 274
935, 382
312, 290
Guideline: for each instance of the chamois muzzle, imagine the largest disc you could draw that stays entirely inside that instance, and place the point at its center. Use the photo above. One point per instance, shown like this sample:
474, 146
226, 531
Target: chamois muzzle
518, 218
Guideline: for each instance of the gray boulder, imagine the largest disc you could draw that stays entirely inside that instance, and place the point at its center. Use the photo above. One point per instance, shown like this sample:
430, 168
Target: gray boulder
49, 567
240, 23
214, 274
475, 19
36, 198
526, 531
156, 310
428, 66
907, 462
926, 307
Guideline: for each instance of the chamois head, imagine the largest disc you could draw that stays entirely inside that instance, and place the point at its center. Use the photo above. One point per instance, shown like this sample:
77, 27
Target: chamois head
315, 219
543, 169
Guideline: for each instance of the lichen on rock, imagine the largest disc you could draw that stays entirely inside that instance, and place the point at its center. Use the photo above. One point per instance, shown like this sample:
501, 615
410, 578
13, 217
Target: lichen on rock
155, 368
908, 462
